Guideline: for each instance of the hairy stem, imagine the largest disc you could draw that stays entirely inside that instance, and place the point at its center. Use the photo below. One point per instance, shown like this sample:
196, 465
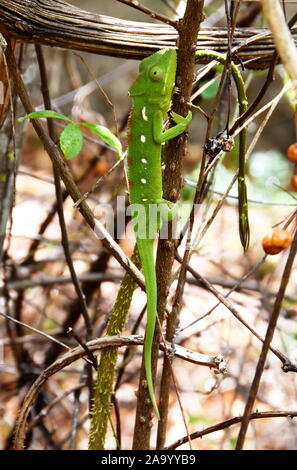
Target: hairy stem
108, 360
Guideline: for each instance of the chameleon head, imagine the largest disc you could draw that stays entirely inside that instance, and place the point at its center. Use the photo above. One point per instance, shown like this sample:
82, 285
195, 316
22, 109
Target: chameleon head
155, 82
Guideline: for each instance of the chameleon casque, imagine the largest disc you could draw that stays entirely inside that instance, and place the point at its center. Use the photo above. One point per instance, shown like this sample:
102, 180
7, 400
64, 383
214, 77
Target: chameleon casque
151, 97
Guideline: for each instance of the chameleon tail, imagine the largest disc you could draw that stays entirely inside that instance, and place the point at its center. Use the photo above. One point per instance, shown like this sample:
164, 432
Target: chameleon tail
146, 251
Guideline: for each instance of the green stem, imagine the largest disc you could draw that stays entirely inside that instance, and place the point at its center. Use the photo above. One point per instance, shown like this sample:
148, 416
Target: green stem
108, 359
244, 230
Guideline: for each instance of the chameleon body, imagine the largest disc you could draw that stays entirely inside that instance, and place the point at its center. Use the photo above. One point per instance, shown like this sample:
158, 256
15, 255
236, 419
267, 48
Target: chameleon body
151, 97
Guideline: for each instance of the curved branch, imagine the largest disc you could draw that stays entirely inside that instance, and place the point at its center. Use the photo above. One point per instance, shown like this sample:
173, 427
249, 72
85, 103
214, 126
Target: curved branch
244, 229
59, 24
215, 362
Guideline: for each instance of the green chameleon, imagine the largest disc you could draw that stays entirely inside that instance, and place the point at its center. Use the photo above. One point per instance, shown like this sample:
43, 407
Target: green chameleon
151, 96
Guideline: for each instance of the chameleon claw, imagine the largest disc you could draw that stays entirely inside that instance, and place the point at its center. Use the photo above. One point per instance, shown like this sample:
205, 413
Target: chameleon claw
178, 119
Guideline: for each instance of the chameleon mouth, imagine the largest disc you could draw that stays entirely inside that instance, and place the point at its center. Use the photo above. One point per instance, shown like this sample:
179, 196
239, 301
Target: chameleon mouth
160, 100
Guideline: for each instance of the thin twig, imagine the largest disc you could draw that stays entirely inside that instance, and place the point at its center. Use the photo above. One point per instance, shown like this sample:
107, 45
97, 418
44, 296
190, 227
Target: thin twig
97, 184
234, 287
45, 411
104, 94
89, 353
153, 14
253, 201
230, 422
287, 364
39, 332
95, 277
266, 344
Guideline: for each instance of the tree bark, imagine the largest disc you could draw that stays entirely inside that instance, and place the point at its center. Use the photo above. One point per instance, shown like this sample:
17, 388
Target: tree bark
59, 24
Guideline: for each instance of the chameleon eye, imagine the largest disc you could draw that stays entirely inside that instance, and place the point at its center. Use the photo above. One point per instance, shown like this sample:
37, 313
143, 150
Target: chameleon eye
156, 74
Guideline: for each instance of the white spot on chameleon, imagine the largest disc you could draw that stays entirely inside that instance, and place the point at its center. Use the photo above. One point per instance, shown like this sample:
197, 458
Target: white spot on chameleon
142, 138
143, 114
143, 180
144, 160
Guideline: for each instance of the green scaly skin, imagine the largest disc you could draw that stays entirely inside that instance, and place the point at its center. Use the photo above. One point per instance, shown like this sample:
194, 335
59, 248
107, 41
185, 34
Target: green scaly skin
151, 96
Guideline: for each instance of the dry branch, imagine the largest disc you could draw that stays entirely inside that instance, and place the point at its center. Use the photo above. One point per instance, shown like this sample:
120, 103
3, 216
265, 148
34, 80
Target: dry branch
284, 42
231, 422
59, 24
215, 362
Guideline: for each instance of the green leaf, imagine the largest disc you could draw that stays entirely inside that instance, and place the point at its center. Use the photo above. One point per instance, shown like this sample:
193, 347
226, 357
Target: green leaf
106, 135
46, 113
71, 141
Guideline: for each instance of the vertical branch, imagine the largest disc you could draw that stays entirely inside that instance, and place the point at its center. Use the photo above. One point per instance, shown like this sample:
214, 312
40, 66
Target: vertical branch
188, 28
188, 32
284, 42
174, 316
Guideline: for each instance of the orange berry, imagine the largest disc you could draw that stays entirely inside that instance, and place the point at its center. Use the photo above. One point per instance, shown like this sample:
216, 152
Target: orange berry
269, 248
294, 182
292, 152
100, 167
281, 238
